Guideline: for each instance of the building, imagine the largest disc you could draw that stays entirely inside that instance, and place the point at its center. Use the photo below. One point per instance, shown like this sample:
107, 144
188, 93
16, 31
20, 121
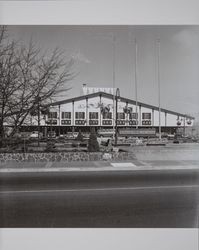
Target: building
97, 108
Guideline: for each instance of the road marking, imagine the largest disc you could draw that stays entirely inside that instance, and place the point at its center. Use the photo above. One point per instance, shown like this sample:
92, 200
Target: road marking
123, 164
49, 164
96, 189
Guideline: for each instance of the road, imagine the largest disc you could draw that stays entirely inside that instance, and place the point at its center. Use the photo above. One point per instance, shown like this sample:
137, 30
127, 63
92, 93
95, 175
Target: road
155, 198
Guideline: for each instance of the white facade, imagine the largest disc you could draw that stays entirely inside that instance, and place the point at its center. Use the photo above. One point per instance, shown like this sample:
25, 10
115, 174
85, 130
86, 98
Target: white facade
86, 111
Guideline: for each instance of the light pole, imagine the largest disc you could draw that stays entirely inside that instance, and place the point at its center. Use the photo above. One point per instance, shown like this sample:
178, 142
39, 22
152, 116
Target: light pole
113, 40
38, 116
114, 120
158, 76
116, 115
136, 99
51, 121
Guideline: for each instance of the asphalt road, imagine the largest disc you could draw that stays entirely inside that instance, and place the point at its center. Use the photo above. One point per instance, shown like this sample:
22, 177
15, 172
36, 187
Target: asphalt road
165, 198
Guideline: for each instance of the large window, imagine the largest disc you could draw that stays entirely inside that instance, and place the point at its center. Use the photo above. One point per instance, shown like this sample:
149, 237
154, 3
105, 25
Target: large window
107, 115
133, 116
146, 116
66, 115
79, 115
52, 115
120, 116
93, 115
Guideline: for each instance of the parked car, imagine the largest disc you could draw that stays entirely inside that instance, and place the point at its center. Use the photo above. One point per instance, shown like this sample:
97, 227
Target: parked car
51, 134
71, 135
22, 135
36, 134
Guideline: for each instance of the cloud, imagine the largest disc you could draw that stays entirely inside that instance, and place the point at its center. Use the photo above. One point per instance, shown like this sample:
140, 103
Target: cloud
186, 38
80, 57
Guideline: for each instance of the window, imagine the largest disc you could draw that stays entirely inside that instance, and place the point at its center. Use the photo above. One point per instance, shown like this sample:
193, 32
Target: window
66, 122
93, 122
119, 122
107, 122
52, 115
107, 115
93, 115
146, 116
79, 115
80, 122
66, 115
146, 122
51, 122
120, 116
133, 122
133, 116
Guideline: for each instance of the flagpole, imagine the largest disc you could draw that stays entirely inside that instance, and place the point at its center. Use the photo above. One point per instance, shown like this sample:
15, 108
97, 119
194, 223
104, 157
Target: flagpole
159, 102
136, 101
113, 44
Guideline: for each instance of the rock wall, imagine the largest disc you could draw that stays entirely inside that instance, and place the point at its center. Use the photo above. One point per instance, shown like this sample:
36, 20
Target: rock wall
64, 156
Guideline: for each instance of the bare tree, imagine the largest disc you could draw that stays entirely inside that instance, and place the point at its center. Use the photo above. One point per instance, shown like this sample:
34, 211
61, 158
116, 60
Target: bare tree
9, 84
28, 79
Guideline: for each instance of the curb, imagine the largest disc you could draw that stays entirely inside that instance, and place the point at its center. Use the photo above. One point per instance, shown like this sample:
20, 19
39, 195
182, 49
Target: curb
98, 169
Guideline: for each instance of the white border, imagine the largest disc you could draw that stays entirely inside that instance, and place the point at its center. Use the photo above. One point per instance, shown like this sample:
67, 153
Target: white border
99, 12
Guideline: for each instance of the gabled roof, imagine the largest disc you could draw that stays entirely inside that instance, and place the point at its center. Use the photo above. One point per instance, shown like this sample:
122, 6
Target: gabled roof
123, 99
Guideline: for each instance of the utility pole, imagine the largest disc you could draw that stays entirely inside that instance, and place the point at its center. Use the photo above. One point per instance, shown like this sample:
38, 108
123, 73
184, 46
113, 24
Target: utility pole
114, 120
116, 109
158, 76
136, 101
38, 116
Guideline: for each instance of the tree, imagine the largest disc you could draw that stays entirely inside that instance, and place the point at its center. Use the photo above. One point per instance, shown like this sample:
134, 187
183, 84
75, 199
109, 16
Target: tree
93, 145
29, 79
9, 84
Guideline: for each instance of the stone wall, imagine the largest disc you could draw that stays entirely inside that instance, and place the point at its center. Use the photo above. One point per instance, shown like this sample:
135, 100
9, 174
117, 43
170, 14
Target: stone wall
64, 156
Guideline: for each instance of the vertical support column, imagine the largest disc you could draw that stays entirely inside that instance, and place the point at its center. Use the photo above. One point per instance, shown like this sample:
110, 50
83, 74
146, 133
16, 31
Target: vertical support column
113, 114
126, 116
59, 120
38, 114
184, 127
152, 118
73, 116
165, 119
86, 111
100, 114
139, 116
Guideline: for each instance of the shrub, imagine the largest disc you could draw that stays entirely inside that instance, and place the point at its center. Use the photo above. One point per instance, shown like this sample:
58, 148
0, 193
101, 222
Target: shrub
74, 145
50, 146
80, 137
93, 145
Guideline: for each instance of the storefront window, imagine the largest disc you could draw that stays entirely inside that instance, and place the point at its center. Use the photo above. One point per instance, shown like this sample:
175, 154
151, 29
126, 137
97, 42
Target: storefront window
66, 115
107, 115
120, 116
133, 116
93, 115
79, 115
52, 115
146, 116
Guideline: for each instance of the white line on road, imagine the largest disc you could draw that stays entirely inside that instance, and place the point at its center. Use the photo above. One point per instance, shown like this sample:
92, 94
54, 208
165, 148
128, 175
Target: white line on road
49, 164
123, 164
96, 189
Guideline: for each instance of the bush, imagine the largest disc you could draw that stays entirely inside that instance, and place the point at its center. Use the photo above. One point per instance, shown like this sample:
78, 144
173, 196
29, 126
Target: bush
80, 137
50, 146
74, 145
93, 145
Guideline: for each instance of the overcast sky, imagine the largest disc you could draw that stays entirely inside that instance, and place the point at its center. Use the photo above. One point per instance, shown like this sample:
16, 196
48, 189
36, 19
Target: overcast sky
91, 46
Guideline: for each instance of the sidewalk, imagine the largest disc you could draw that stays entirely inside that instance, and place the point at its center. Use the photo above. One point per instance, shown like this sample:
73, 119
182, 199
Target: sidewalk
94, 166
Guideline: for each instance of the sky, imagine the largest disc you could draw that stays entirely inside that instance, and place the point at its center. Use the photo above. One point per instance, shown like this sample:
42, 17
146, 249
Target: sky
92, 49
